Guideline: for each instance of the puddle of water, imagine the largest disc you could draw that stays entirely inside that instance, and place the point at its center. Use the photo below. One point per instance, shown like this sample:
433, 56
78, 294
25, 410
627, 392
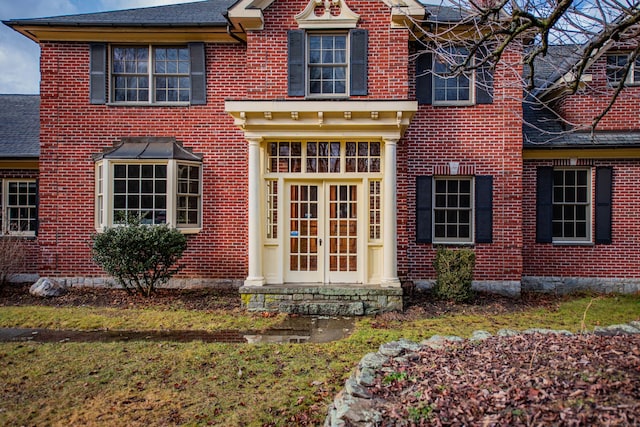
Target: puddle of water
292, 330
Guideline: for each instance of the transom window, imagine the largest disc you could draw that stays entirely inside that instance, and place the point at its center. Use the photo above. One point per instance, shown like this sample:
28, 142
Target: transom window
571, 205
18, 207
453, 210
449, 85
149, 74
616, 64
323, 157
327, 64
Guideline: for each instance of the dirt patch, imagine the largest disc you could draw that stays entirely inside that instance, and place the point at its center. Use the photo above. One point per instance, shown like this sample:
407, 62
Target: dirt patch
522, 380
189, 299
418, 304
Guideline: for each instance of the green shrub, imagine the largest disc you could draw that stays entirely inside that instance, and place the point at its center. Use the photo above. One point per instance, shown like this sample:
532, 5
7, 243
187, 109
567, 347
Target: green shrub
139, 257
454, 274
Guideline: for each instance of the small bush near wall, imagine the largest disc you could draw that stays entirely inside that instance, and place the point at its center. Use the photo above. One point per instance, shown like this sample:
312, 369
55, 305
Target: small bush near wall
139, 257
454, 274
12, 257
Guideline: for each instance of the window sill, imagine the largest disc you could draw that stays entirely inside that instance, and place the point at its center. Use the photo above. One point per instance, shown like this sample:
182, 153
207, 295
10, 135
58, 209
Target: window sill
435, 243
573, 243
453, 104
185, 230
19, 236
148, 104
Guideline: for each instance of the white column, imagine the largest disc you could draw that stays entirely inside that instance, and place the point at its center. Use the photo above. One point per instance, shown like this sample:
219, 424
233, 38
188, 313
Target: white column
390, 224
255, 277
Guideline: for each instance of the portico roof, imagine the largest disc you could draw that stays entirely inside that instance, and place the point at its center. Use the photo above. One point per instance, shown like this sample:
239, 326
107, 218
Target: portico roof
322, 119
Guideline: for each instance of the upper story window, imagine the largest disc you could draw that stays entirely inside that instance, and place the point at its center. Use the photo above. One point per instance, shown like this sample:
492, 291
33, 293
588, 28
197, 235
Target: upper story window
616, 65
439, 83
327, 64
449, 85
18, 207
148, 75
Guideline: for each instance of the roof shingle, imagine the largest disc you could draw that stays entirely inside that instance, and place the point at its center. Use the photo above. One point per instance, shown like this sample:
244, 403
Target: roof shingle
19, 126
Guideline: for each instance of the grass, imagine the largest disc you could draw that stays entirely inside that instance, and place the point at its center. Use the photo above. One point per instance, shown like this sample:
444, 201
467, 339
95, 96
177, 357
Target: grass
142, 383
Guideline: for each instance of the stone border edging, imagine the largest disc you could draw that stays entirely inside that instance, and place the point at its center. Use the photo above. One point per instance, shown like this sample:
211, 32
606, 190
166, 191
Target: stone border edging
353, 405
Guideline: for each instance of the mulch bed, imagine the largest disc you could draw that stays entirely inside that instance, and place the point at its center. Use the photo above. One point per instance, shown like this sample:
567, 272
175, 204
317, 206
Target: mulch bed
540, 380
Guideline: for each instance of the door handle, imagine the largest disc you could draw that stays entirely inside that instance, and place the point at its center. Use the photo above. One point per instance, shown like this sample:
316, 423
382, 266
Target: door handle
320, 242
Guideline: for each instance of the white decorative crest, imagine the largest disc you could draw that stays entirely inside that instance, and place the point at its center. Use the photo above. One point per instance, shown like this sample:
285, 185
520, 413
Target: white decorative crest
327, 14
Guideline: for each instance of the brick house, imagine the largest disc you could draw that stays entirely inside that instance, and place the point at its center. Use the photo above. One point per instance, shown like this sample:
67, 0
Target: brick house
310, 154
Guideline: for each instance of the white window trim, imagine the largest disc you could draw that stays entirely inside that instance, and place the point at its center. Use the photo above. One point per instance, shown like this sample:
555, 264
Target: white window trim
630, 81
151, 74
307, 63
472, 202
588, 240
472, 88
5, 208
106, 198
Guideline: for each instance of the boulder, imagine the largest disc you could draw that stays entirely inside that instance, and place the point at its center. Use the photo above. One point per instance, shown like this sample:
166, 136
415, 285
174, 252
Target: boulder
47, 288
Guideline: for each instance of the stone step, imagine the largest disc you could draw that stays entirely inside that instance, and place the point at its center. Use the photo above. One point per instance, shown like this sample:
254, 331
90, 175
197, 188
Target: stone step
323, 308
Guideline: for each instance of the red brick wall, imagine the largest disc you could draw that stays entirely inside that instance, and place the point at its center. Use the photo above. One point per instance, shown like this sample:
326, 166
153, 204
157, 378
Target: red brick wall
72, 130
621, 259
583, 107
267, 51
487, 137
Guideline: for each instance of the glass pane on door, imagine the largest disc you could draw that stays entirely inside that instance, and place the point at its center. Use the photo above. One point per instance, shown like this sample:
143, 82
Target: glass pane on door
303, 244
343, 228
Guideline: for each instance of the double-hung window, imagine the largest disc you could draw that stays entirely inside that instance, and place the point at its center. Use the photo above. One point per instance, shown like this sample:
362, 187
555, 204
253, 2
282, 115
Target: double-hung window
571, 205
18, 206
327, 64
450, 85
150, 74
138, 181
569, 210
453, 210
616, 66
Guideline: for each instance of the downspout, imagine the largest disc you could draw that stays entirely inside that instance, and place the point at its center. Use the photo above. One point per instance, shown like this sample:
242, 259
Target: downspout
232, 35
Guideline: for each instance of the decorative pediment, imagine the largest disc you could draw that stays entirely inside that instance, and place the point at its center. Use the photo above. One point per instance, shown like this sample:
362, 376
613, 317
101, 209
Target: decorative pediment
327, 14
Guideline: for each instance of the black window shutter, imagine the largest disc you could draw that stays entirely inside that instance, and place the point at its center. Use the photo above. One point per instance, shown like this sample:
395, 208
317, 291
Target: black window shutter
484, 77
98, 73
198, 74
424, 64
484, 209
604, 186
544, 205
296, 66
423, 209
358, 66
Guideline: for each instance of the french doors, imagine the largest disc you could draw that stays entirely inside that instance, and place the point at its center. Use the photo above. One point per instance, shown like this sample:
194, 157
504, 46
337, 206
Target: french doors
323, 226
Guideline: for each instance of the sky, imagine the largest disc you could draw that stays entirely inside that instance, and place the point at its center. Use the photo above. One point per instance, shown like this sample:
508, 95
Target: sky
20, 56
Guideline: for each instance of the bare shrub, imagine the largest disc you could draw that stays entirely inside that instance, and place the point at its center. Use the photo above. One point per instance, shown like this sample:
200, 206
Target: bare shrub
13, 255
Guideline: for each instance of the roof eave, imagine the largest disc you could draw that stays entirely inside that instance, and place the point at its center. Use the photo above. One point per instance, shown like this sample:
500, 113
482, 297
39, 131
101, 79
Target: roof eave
112, 32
